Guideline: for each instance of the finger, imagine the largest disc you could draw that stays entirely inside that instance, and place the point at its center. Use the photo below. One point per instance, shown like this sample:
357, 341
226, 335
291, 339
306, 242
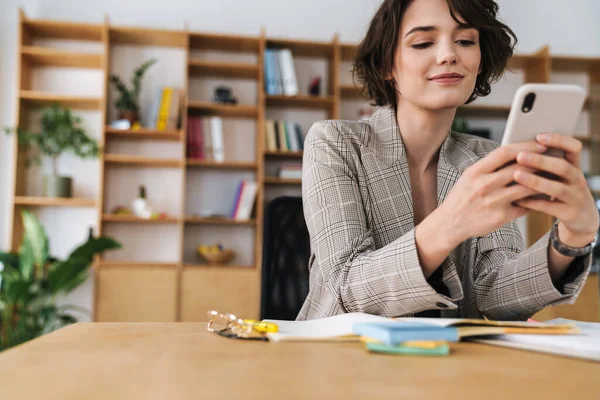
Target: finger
505, 154
504, 176
556, 209
513, 193
557, 166
554, 189
571, 146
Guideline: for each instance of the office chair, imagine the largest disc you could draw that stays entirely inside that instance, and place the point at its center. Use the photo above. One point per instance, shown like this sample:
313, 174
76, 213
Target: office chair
286, 250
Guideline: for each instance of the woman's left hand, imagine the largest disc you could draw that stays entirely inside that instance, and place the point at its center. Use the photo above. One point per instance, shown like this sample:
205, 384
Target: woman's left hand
571, 200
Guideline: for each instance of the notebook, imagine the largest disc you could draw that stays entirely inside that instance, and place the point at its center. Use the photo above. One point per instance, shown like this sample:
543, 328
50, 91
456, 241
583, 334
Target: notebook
393, 333
340, 327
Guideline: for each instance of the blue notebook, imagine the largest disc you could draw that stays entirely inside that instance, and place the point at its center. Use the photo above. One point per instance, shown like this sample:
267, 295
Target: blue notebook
393, 333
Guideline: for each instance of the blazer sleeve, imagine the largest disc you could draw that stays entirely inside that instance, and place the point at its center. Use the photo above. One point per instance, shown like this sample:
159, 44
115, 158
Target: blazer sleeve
354, 275
512, 284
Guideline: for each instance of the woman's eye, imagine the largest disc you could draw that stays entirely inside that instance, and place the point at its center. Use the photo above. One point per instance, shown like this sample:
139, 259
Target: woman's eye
465, 43
421, 45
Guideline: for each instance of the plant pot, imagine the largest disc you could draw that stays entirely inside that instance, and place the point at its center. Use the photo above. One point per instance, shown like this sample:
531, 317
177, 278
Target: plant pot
57, 186
130, 115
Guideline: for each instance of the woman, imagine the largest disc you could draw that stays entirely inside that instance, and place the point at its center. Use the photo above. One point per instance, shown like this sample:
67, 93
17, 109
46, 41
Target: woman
406, 218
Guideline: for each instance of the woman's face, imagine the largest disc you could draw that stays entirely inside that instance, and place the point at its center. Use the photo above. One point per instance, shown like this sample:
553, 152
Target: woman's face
436, 61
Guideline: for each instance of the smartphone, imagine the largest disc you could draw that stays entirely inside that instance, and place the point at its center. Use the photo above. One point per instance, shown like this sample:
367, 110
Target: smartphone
539, 108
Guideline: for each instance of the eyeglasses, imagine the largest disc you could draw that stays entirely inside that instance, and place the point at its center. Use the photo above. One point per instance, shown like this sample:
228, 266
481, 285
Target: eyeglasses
229, 325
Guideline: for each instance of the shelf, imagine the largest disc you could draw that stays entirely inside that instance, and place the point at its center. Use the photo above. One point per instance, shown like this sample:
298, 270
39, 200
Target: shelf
284, 154
301, 48
134, 264
271, 180
567, 63
220, 165
63, 30
350, 91
148, 37
217, 221
348, 51
144, 133
209, 41
136, 220
588, 139
223, 110
54, 202
302, 101
224, 266
142, 161
482, 110
47, 99
222, 69
60, 58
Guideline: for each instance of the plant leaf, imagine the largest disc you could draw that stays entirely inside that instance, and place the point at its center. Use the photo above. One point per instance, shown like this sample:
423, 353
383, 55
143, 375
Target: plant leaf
95, 245
66, 275
10, 259
34, 241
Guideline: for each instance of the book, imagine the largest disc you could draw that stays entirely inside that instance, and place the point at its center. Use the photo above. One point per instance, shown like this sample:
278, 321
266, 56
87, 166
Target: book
236, 202
341, 327
270, 141
276, 69
299, 136
288, 72
173, 113
163, 112
191, 151
153, 111
206, 139
291, 135
392, 333
283, 145
246, 201
216, 132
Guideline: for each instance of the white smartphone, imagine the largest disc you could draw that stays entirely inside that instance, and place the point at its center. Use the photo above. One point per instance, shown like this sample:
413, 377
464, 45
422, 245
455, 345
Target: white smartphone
541, 107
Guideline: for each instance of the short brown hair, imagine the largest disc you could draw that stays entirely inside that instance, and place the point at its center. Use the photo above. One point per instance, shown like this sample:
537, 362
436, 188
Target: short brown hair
374, 60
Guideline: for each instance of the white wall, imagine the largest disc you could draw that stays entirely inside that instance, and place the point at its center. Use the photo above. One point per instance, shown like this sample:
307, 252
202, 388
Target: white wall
569, 28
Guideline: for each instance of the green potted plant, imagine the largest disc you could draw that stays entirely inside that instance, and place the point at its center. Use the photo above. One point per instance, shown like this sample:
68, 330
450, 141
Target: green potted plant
128, 101
61, 131
31, 279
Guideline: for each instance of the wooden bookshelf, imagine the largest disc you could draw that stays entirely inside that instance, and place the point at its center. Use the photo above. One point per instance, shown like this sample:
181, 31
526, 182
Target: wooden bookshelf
223, 110
218, 221
176, 290
221, 69
119, 159
145, 133
221, 165
271, 180
43, 56
54, 202
45, 99
137, 220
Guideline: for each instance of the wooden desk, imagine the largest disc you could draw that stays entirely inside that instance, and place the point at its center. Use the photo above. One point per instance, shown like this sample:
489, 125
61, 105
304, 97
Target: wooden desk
183, 361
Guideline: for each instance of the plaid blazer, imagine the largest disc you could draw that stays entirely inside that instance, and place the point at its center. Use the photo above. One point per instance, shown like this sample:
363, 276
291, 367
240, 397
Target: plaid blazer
358, 209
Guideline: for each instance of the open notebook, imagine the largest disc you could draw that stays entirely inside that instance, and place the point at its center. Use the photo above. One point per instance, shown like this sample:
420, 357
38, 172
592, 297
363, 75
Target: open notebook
340, 327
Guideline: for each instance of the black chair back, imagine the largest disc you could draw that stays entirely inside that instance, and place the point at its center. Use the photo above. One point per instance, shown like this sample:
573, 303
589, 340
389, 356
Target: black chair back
286, 250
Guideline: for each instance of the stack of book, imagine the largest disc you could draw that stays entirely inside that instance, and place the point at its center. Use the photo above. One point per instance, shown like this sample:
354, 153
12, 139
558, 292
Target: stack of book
290, 171
244, 200
164, 112
280, 74
205, 138
283, 136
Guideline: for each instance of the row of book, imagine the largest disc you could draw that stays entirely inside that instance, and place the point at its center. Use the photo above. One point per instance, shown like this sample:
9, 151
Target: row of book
280, 74
283, 136
290, 171
165, 109
244, 200
205, 138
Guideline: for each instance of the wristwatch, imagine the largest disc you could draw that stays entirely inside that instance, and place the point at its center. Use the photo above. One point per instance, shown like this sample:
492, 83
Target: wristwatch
567, 250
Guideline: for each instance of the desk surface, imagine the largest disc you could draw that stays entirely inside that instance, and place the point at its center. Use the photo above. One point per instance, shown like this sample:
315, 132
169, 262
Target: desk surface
183, 361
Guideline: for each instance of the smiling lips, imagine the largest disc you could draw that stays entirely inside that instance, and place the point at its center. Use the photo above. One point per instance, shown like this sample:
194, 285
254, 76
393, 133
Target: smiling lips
447, 78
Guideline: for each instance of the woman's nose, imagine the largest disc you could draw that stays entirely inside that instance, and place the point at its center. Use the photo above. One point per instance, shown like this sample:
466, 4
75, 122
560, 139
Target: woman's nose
447, 54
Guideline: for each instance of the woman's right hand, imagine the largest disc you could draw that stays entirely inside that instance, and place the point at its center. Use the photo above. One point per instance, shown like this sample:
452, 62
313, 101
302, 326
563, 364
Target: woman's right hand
481, 201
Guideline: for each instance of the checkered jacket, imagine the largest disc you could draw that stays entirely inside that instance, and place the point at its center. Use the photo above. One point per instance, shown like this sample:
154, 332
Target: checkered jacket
358, 209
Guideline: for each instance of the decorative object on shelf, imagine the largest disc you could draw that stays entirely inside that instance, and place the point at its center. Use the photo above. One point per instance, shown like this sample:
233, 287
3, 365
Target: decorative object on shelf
32, 278
61, 131
141, 207
121, 210
215, 254
128, 102
223, 94
314, 89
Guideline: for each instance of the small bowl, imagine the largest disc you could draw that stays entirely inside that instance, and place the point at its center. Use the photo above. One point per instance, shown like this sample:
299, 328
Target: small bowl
222, 257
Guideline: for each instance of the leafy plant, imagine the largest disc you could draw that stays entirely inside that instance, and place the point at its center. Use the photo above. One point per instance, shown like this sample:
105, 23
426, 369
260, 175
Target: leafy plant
31, 280
61, 131
129, 97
